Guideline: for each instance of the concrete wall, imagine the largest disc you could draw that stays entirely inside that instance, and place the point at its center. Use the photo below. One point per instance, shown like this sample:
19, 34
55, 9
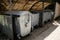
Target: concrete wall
57, 10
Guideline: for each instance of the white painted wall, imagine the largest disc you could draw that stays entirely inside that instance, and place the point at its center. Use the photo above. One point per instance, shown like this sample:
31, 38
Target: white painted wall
57, 10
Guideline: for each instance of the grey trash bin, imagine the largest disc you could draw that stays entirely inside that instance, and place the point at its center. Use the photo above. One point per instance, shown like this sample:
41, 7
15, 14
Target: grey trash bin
47, 15
35, 19
22, 23
7, 25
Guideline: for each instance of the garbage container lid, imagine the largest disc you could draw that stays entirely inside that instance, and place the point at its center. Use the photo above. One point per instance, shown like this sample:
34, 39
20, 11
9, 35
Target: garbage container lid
16, 12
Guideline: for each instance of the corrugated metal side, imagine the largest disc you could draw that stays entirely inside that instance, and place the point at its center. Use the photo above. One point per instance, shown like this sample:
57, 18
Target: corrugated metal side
7, 25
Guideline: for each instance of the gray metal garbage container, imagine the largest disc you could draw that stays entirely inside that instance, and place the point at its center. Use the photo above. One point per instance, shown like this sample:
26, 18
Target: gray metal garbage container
7, 26
35, 18
47, 15
22, 23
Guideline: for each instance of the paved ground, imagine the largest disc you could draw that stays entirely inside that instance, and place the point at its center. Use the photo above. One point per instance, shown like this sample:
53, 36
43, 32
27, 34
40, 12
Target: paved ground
50, 31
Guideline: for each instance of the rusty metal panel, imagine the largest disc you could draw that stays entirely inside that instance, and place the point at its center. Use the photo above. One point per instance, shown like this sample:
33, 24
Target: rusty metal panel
29, 5
24, 5
36, 6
